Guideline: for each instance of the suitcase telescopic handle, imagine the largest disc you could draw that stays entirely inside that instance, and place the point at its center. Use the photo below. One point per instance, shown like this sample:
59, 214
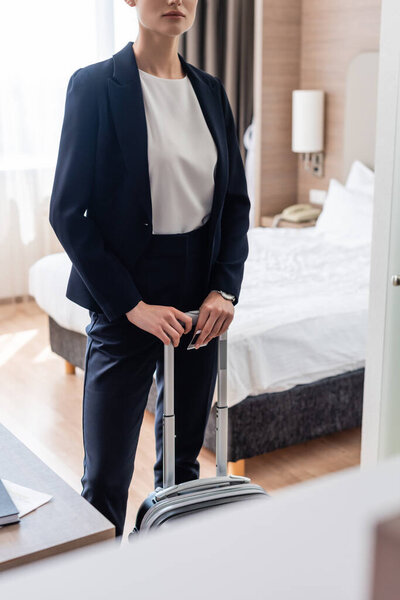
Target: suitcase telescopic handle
169, 409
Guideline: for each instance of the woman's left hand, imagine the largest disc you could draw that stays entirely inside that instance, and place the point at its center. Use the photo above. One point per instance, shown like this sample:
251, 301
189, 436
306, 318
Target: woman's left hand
215, 315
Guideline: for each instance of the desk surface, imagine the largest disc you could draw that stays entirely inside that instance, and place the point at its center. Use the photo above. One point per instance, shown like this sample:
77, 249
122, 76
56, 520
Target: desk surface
66, 522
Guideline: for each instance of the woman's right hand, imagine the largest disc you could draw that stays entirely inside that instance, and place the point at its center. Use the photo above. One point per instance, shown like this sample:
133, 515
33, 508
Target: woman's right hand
161, 321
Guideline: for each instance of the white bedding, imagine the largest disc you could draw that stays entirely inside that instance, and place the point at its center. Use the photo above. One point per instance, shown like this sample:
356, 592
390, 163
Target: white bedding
48, 278
302, 313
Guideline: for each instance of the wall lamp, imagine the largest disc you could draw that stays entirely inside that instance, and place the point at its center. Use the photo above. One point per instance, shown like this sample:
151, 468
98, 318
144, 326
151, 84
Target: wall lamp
308, 129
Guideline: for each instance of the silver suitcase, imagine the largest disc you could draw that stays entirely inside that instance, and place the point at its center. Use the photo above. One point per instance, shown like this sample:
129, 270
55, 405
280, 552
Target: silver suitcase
174, 501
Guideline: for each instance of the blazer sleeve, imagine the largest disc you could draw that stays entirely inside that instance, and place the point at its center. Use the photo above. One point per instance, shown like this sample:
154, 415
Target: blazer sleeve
106, 278
227, 272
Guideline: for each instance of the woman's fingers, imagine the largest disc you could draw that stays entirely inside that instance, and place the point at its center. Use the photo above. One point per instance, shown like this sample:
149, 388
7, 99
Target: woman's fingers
181, 316
220, 325
211, 327
172, 333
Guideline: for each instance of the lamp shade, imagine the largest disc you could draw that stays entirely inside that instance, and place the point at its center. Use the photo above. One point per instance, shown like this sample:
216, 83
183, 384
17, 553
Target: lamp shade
307, 120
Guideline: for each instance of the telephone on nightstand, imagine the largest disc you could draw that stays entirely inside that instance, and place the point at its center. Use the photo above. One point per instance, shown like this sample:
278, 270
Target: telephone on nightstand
300, 213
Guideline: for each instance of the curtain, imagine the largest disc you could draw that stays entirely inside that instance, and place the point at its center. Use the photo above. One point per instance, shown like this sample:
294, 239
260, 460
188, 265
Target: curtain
221, 42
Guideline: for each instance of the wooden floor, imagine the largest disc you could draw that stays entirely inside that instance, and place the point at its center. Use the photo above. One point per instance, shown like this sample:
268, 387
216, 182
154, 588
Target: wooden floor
42, 406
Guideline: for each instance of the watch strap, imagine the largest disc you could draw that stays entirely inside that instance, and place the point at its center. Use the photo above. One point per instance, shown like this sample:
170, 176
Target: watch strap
225, 295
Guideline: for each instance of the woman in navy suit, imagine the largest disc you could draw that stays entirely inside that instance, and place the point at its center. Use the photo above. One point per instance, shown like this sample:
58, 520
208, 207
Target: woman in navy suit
150, 203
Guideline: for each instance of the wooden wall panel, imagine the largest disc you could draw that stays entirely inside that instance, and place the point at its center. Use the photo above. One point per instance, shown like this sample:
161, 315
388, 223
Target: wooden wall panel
332, 33
280, 74
306, 44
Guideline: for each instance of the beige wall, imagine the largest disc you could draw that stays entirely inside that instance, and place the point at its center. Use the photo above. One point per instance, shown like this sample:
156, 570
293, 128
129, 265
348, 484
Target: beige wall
280, 72
307, 44
332, 33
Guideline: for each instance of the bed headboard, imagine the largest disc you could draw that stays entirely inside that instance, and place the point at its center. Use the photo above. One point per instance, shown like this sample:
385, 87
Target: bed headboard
360, 111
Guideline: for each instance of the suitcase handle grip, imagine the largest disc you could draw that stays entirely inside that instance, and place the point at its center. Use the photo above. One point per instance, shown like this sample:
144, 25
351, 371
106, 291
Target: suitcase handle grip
169, 414
209, 482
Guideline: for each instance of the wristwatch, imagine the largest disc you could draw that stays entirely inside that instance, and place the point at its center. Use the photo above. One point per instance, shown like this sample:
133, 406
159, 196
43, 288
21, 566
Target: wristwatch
225, 295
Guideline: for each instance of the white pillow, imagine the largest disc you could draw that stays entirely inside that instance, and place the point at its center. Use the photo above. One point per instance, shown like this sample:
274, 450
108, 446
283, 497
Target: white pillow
360, 178
346, 215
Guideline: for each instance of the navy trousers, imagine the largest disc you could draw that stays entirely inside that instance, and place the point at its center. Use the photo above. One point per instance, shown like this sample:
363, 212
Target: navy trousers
120, 361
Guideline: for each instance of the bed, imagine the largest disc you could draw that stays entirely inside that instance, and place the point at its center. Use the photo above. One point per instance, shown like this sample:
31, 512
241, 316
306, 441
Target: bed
296, 348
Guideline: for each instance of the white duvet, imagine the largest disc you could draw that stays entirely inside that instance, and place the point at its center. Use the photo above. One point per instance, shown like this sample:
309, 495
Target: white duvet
302, 313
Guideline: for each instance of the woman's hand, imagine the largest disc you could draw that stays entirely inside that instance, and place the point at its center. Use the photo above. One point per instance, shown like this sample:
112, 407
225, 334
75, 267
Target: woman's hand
215, 315
161, 321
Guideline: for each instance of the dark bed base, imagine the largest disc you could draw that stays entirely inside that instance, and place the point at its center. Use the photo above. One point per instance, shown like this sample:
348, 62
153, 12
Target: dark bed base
265, 422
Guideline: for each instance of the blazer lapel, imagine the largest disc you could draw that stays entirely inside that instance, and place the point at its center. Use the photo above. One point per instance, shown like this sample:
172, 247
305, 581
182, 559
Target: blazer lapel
128, 112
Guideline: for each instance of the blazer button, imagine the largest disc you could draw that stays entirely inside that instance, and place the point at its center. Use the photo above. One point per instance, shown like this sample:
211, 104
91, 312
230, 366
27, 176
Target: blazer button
146, 224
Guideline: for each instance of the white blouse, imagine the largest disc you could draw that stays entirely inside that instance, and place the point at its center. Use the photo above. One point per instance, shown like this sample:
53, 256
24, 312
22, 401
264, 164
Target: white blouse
181, 152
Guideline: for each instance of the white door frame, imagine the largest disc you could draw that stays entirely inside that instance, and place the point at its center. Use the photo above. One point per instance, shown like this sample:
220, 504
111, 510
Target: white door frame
376, 401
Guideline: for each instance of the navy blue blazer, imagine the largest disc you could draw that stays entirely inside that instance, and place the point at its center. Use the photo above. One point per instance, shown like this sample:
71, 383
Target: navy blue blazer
100, 206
